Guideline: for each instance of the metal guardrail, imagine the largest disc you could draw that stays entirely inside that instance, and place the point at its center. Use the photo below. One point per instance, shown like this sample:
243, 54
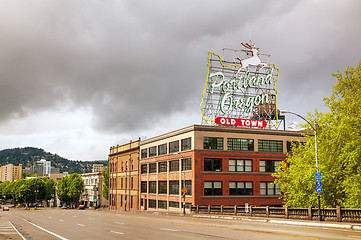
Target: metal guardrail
337, 214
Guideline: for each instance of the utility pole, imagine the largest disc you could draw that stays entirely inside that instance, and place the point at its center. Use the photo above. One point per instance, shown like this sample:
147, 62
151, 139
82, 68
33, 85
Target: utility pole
318, 174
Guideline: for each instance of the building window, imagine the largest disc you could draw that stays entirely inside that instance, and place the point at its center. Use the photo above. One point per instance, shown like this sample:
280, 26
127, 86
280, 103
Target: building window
174, 165
152, 203
240, 165
144, 168
143, 187
213, 143
152, 187
269, 188
186, 144
152, 151
186, 164
162, 187
270, 146
144, 153
162, 149
213, 164
188, 186
162, 204
174, 147
240, 144
268, 165
240, 188
152, 167
174, 187
212, 188
162, 167
174, 204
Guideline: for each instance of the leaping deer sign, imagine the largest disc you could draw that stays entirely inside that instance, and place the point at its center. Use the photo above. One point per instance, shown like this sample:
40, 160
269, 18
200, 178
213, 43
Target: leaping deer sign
251, 61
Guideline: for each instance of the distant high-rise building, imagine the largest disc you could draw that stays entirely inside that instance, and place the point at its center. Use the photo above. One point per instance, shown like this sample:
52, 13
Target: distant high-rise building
10, 172
41, 168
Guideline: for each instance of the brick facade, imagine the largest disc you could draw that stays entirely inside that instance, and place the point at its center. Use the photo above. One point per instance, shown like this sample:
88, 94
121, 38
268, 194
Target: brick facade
158, 184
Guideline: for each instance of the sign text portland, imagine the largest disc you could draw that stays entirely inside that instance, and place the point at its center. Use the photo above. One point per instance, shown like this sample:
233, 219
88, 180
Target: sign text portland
244, 91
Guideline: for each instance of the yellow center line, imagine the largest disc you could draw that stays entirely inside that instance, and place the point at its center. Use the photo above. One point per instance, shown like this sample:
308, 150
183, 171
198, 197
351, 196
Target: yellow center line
211, 227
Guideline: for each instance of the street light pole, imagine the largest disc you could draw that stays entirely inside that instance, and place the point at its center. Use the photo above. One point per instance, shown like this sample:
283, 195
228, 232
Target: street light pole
317, 171
184, 181
184, 184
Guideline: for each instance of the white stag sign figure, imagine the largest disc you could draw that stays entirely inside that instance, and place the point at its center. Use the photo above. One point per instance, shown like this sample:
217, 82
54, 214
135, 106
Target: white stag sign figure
254, 60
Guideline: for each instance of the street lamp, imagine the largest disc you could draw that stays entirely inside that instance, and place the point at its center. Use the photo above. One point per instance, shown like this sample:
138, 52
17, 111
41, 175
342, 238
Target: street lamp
317, 172
184, 181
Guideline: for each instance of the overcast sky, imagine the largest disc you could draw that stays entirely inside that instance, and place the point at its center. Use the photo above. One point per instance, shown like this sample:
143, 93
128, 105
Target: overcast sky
80, 76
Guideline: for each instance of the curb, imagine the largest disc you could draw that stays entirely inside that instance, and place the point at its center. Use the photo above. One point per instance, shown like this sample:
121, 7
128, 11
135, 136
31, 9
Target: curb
289, 222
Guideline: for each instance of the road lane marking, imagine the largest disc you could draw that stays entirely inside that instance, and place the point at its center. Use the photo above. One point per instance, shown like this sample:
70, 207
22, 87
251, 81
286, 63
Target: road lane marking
351, 236
119, 223
82, 225
45, 230
92, 219
117, 232
220, 228
61, 220
167, 229
17, 231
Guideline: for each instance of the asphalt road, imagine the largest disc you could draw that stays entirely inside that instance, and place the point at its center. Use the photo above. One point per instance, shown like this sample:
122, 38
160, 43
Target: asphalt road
105, 224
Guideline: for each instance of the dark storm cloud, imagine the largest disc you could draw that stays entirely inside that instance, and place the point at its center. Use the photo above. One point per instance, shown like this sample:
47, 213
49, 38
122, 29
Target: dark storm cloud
135, 62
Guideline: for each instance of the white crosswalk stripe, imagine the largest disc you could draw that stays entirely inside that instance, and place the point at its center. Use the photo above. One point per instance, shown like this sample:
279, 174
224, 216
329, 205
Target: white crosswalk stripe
7, 231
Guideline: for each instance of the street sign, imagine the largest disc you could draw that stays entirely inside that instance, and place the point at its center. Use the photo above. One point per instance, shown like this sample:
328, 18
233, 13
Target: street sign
184, 190
318, 176
318, 189
318, 184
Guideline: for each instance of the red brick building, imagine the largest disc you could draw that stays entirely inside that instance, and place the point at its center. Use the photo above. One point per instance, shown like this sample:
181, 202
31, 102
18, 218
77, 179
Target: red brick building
217, 165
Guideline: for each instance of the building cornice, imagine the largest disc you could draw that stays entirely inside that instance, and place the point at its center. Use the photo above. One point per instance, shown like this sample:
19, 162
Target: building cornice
225, 129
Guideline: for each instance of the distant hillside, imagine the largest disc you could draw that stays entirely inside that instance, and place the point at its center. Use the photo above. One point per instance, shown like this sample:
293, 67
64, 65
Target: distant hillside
29, 155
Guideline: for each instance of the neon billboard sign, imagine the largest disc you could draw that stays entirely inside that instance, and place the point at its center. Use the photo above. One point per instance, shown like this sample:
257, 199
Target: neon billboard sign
244, 91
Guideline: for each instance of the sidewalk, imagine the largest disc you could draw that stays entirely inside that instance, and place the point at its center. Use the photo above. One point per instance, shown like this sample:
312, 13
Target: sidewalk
299, 222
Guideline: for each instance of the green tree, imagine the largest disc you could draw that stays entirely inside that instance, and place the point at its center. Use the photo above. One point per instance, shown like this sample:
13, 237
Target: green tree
62, 189
4, 190
69, 188
16, 190
106, 182
25, 175
76, 187
339, 151
8, 191
49, 188
32, 191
